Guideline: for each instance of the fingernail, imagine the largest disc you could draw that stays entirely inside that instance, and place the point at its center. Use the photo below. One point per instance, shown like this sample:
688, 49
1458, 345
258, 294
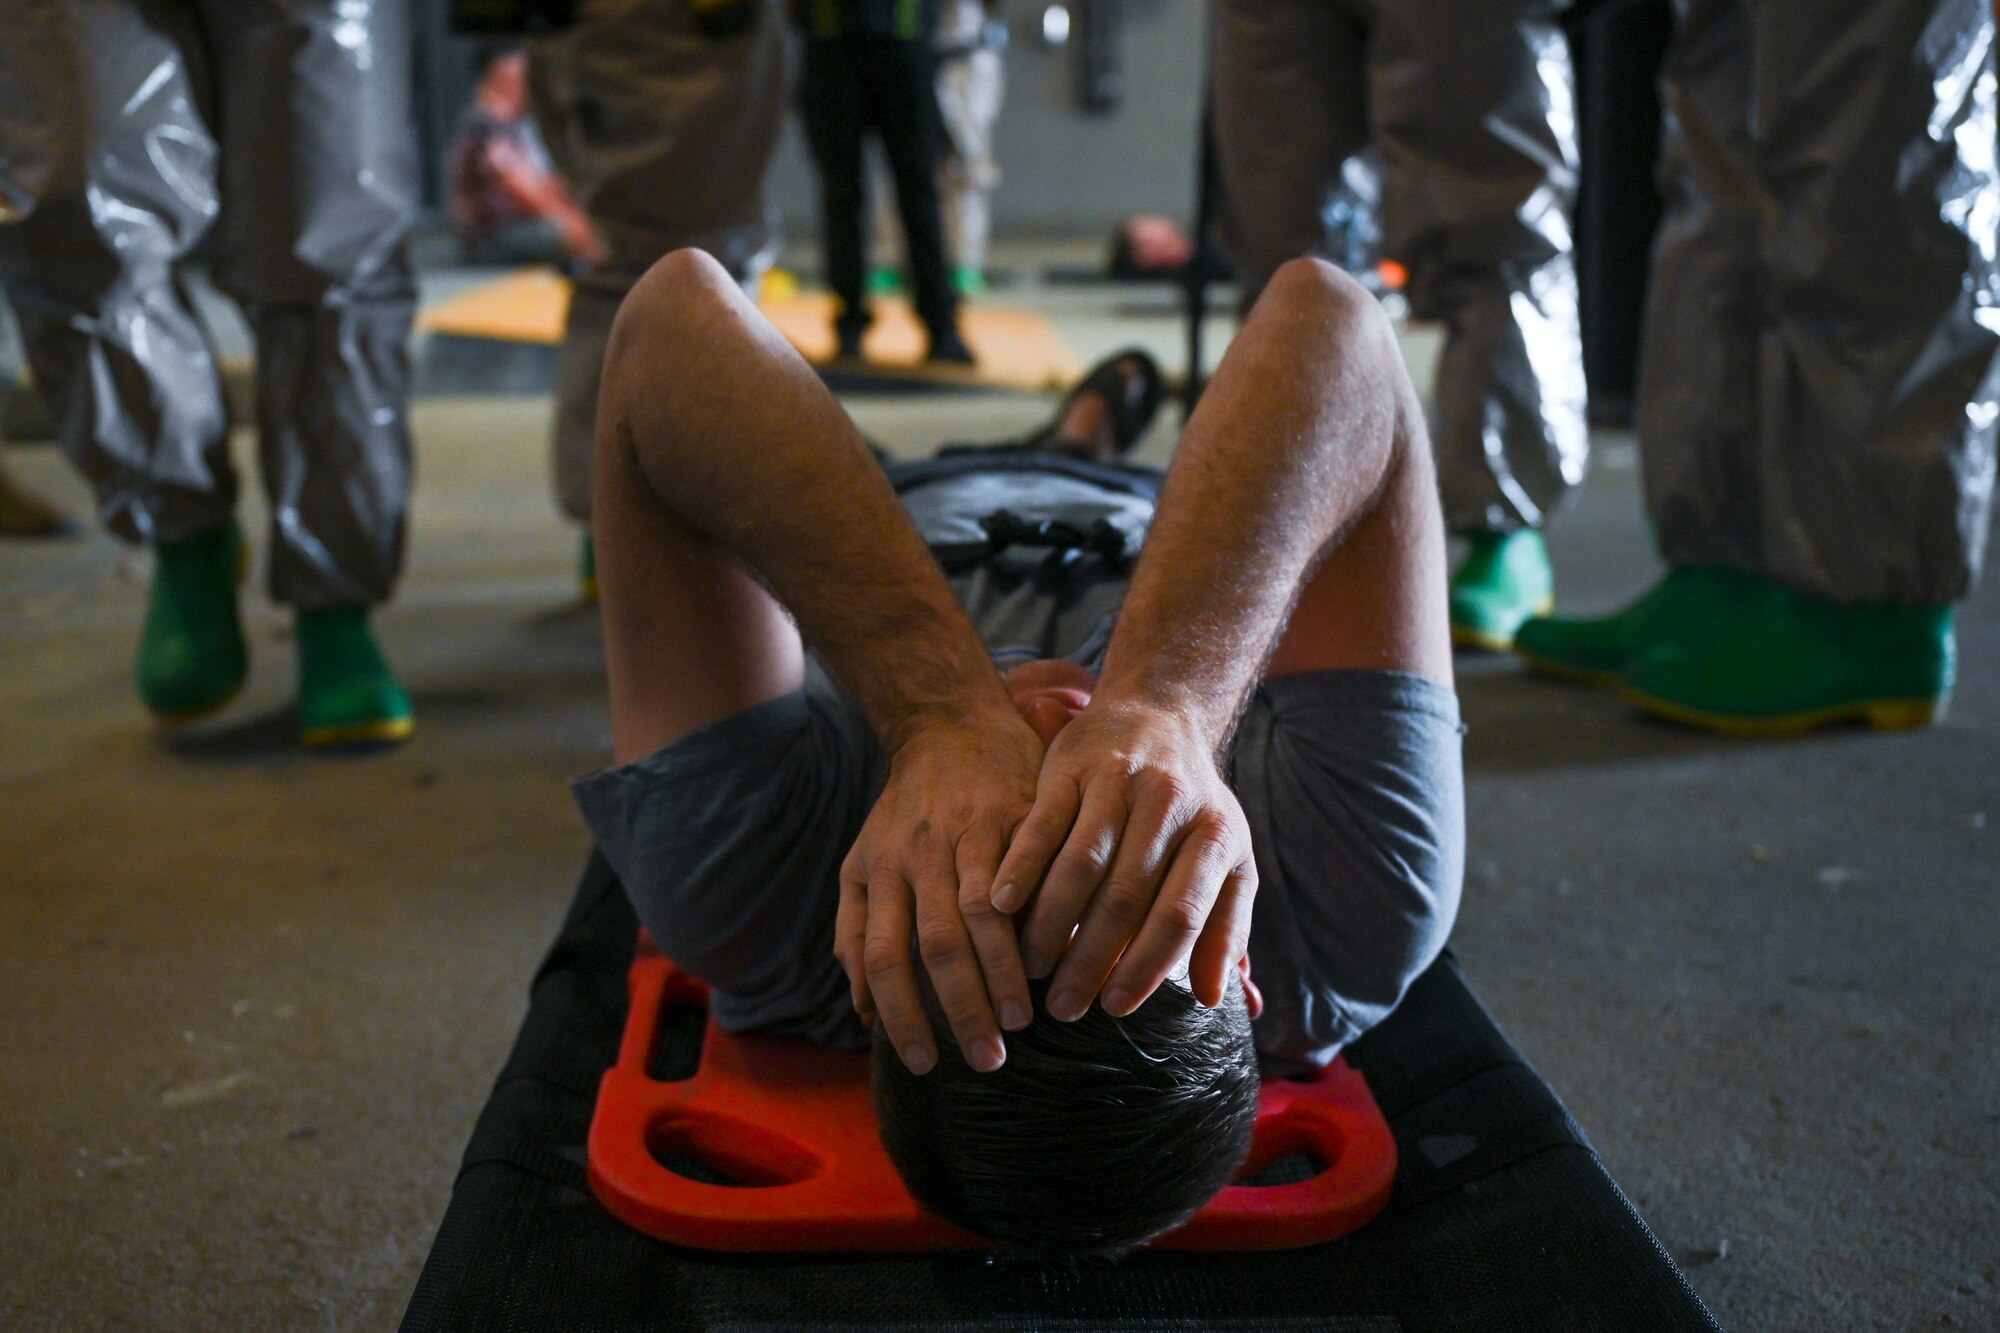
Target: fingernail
1118, 1003
1007, 897
917, 1059
986, 1055
1036, 963
1014, 1016
1066, 1005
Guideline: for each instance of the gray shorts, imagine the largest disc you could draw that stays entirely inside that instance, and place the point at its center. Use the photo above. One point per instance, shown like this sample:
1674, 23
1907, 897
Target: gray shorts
730, 842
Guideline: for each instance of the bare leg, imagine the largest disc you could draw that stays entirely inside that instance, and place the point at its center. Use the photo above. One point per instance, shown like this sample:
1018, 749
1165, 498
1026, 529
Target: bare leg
720, 453
1299, 530
690, 635
1377, 600
1315, 374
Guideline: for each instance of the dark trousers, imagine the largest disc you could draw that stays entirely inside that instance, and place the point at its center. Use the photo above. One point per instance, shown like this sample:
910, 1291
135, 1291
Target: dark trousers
850, 87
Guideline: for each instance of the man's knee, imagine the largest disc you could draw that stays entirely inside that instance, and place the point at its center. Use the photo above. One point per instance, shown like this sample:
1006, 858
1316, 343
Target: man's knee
670, 310
1322, 289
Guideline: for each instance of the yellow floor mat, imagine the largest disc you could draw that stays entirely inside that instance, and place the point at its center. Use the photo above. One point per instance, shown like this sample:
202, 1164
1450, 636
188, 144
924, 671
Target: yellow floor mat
1017, 348
525, 307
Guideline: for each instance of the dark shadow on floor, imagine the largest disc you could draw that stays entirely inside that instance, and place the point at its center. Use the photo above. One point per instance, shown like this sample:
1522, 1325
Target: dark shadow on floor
1520, 722
261, 736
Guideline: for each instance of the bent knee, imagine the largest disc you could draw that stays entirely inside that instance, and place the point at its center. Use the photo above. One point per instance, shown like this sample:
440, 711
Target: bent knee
1317, 290
1316, 284
680, 292
685, 274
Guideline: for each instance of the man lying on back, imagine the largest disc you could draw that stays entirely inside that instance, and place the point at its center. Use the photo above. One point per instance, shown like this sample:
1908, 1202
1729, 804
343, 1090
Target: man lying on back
955, 766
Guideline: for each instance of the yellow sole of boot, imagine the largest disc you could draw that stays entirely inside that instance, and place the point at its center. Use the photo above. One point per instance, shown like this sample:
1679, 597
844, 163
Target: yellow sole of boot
1877, 714
381, 731
1464, 636
1470, 636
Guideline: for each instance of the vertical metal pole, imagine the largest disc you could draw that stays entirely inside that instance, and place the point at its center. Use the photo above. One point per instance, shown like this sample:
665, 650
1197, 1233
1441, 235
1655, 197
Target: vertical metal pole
1100, 56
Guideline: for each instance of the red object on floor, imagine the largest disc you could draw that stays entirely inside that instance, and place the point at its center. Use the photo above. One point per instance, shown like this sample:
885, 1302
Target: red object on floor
793, 1123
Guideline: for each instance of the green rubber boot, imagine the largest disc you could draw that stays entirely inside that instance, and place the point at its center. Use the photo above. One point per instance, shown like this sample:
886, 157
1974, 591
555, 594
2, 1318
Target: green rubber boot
1597, 649
192, 659
1778, 663
347, 693
586, 569
1505, 580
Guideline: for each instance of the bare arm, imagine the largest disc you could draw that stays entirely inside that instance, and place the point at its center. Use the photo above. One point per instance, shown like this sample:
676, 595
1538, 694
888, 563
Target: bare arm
546, 195
1135, 843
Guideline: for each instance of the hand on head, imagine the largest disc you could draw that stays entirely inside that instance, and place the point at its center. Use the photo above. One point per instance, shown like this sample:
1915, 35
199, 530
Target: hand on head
922, 869
1126, 862
1134, 865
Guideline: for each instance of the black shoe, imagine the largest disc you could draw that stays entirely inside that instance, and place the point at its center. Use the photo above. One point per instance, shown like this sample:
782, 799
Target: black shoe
948, 349
850, 344
1132, 388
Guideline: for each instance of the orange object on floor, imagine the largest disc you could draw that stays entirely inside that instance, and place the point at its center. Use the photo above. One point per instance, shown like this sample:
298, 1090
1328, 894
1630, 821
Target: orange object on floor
793, 1125
1016, 348
528, 306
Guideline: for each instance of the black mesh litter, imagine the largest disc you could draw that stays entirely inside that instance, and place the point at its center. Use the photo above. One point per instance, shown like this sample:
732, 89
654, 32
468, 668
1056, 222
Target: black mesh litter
1502, 1216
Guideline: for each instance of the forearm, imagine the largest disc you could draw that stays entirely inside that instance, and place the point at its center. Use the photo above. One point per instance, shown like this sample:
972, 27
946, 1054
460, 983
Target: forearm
1293, 442
738, 440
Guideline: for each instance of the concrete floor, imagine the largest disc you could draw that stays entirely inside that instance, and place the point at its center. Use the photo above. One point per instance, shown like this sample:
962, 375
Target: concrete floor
253, 1000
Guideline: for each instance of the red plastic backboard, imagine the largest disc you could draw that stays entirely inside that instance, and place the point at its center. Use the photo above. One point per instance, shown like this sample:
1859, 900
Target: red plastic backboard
793, 1123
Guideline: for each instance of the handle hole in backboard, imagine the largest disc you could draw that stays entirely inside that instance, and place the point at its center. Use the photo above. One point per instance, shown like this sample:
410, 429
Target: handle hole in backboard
719, 1150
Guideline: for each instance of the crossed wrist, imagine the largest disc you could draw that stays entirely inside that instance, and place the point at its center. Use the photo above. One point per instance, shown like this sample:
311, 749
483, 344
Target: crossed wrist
916, 722
1159, 705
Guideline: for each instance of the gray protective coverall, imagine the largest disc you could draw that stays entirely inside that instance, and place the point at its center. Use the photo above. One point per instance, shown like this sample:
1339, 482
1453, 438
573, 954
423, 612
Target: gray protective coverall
1470, 106
1817, 395
115, 159
665, 136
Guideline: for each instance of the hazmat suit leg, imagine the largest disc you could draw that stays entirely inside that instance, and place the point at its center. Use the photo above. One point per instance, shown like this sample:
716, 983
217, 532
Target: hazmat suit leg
1818, 389
665, 136
971, 86
1297, 64
1470, 108
1473, 114
319, 187
109, 179
1818, 395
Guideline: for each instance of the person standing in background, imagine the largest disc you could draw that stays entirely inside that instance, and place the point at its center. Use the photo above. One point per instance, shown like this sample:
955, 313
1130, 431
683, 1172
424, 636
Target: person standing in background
507, 204
663, 116
871, 65
128, 131
971, 84
1818, 391
1471, 109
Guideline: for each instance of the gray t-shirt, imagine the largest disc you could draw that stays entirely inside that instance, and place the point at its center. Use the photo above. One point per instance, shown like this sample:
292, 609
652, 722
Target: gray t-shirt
730, 840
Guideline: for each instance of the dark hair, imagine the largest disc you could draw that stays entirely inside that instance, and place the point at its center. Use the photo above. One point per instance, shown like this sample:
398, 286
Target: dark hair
1094, 1137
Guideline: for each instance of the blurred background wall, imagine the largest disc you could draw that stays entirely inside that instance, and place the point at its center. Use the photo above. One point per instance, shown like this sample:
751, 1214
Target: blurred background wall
1067, 169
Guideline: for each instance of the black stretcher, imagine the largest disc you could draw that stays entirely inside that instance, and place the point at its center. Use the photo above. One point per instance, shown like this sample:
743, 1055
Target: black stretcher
1502, 1217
